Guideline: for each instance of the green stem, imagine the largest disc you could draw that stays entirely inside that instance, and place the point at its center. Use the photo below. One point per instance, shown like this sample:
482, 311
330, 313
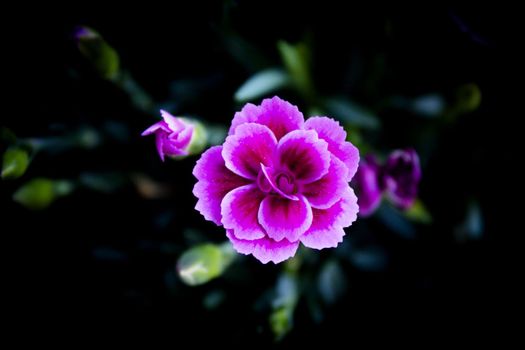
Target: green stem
138, 96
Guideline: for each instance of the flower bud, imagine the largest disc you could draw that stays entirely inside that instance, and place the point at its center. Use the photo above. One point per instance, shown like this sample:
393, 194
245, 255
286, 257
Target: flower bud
177, 137
401, 175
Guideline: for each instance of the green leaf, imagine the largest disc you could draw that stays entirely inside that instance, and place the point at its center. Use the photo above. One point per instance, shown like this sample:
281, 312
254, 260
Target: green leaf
204, 262
98, 52
286, 298
15, 163
419, 213
331, 282
63, 187
431, 105
86, 137
350, 113
262, 83
472, 227
286, 290
37, 194
281, 322
296, 59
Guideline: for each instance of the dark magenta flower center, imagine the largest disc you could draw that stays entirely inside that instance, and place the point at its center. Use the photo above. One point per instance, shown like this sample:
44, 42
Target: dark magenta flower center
277, 182
285, 183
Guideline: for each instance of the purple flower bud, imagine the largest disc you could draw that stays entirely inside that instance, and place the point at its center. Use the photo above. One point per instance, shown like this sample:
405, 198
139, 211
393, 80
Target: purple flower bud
367, 185
401, 175
176, 137
82, 33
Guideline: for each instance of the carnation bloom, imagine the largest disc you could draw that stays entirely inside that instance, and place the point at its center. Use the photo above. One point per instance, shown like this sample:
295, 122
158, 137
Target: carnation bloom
402, 174
176, 137
398, 179
278, 181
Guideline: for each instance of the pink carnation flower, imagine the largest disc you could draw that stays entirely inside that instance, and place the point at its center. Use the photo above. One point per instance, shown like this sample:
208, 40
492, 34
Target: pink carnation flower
278, 181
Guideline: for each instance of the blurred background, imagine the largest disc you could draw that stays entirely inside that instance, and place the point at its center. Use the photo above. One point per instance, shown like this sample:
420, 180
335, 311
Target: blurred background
95, 224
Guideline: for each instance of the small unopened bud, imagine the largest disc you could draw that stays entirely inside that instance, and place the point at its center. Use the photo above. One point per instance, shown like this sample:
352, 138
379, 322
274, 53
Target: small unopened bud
98, 52
178, 137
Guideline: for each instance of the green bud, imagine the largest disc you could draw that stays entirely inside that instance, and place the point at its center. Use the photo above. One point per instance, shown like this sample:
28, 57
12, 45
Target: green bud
95, 49
199, 139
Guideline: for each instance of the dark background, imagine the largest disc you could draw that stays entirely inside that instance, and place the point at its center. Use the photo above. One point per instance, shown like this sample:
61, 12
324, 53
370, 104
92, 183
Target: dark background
95, 264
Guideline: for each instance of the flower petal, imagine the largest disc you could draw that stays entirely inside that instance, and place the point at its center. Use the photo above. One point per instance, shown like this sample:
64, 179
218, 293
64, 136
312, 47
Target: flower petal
160, 126
175, 144
160, 139
285, 218
215, 181
179, 141
264, 249
304, 154
239, 210
368, 187
321, 239
278, 115
251, 146
175, 124
183, 136
323, 193
327, 226
329, 130
402, 174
